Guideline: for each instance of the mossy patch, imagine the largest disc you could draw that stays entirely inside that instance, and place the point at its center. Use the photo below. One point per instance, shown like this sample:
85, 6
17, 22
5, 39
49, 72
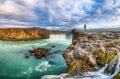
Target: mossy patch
80, 66
103, 58
117, 76
71, 69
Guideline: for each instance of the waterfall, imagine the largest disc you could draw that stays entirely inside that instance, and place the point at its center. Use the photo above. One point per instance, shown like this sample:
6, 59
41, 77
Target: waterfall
117, 67
60, 37
99, 74
57, 37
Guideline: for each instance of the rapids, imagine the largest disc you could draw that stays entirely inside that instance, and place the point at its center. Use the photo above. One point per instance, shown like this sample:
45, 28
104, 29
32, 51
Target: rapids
14, 65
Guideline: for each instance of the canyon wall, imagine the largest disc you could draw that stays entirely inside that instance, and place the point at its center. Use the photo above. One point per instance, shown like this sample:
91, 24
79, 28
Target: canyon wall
23, 33
92, 51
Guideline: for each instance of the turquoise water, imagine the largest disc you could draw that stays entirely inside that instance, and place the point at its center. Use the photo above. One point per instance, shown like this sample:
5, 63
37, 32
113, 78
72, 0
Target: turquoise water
14, 65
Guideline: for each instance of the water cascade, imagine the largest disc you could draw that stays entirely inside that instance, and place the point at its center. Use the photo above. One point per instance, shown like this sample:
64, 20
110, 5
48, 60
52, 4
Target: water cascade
60, 37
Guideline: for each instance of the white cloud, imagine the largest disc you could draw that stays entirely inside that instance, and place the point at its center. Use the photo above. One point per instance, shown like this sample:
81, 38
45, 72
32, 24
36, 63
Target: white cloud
33, 4
7, 21
103, 24
62, 12
10, 7
67, 9
14, 26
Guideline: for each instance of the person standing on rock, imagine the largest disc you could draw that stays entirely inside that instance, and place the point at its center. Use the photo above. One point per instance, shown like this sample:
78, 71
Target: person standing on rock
85, 27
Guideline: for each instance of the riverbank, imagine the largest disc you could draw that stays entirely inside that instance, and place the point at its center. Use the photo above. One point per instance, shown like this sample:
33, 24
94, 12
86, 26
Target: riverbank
15, 65
91, 53
25, 34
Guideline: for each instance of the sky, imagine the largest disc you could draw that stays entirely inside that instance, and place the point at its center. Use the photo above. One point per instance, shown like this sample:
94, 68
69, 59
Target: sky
60, 14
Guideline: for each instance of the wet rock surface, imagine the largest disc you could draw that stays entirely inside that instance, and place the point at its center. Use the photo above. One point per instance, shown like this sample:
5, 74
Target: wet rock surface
26, 56
92, 51
42, 52
39, 52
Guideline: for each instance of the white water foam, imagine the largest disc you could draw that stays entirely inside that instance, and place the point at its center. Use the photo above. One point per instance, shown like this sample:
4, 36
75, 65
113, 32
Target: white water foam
56, 37
59, 38
117, 69
88, 75
54, 76
97, 74
100, 73
42, 66
29, 71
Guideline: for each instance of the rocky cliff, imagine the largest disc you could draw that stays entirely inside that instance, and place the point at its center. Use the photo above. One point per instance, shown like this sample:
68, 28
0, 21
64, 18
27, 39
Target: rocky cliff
23, 33
92, 51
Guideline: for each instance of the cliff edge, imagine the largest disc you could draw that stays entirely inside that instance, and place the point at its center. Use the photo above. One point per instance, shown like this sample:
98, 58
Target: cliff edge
23, 33
92, 51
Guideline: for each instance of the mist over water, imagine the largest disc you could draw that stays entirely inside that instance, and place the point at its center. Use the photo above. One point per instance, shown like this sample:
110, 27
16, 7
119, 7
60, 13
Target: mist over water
14, 65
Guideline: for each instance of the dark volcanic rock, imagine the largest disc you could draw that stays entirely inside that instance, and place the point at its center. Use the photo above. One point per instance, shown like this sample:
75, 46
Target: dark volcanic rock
39, 52
53, 46
26, 55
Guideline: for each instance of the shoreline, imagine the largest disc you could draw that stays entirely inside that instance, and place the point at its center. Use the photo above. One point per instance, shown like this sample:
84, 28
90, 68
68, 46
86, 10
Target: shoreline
25, 34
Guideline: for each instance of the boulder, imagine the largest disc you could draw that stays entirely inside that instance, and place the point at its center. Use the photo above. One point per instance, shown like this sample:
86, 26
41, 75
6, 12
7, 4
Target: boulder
26, 56
39, 52
53, 46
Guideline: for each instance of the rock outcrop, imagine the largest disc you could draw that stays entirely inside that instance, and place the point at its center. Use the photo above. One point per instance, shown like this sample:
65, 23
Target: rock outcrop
117, 76
91, 51
23, 33
39, 52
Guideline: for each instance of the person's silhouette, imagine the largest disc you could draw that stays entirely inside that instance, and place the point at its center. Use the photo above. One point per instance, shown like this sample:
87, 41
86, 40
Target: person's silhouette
84, 26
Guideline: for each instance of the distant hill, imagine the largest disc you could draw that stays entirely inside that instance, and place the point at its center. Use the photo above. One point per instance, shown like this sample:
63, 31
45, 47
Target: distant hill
103, 30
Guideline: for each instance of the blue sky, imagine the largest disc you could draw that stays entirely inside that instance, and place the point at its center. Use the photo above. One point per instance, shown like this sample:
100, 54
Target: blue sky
60, 14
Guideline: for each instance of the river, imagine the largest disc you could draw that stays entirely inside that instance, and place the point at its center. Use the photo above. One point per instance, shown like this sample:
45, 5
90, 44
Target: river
14, 65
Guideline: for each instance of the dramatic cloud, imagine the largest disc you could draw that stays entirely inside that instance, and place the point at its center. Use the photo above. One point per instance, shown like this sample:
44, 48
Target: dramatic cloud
60, 14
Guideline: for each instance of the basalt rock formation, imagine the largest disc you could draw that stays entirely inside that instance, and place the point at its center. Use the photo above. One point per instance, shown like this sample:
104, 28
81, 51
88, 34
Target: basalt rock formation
39, 52
23, 33
91, 51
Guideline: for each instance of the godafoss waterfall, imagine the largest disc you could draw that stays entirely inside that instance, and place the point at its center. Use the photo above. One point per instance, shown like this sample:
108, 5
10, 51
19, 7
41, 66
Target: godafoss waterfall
59, 39
17, 63
93, 55
81, 55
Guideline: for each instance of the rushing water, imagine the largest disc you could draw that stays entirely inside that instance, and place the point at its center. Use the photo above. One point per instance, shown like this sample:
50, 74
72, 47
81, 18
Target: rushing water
14, 65
99, 74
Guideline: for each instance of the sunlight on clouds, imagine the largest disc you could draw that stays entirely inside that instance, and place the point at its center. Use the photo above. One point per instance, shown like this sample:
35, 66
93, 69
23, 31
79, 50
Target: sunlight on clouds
32, 4
7, 21
9, 7
60, 14
13, 9
69, 10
